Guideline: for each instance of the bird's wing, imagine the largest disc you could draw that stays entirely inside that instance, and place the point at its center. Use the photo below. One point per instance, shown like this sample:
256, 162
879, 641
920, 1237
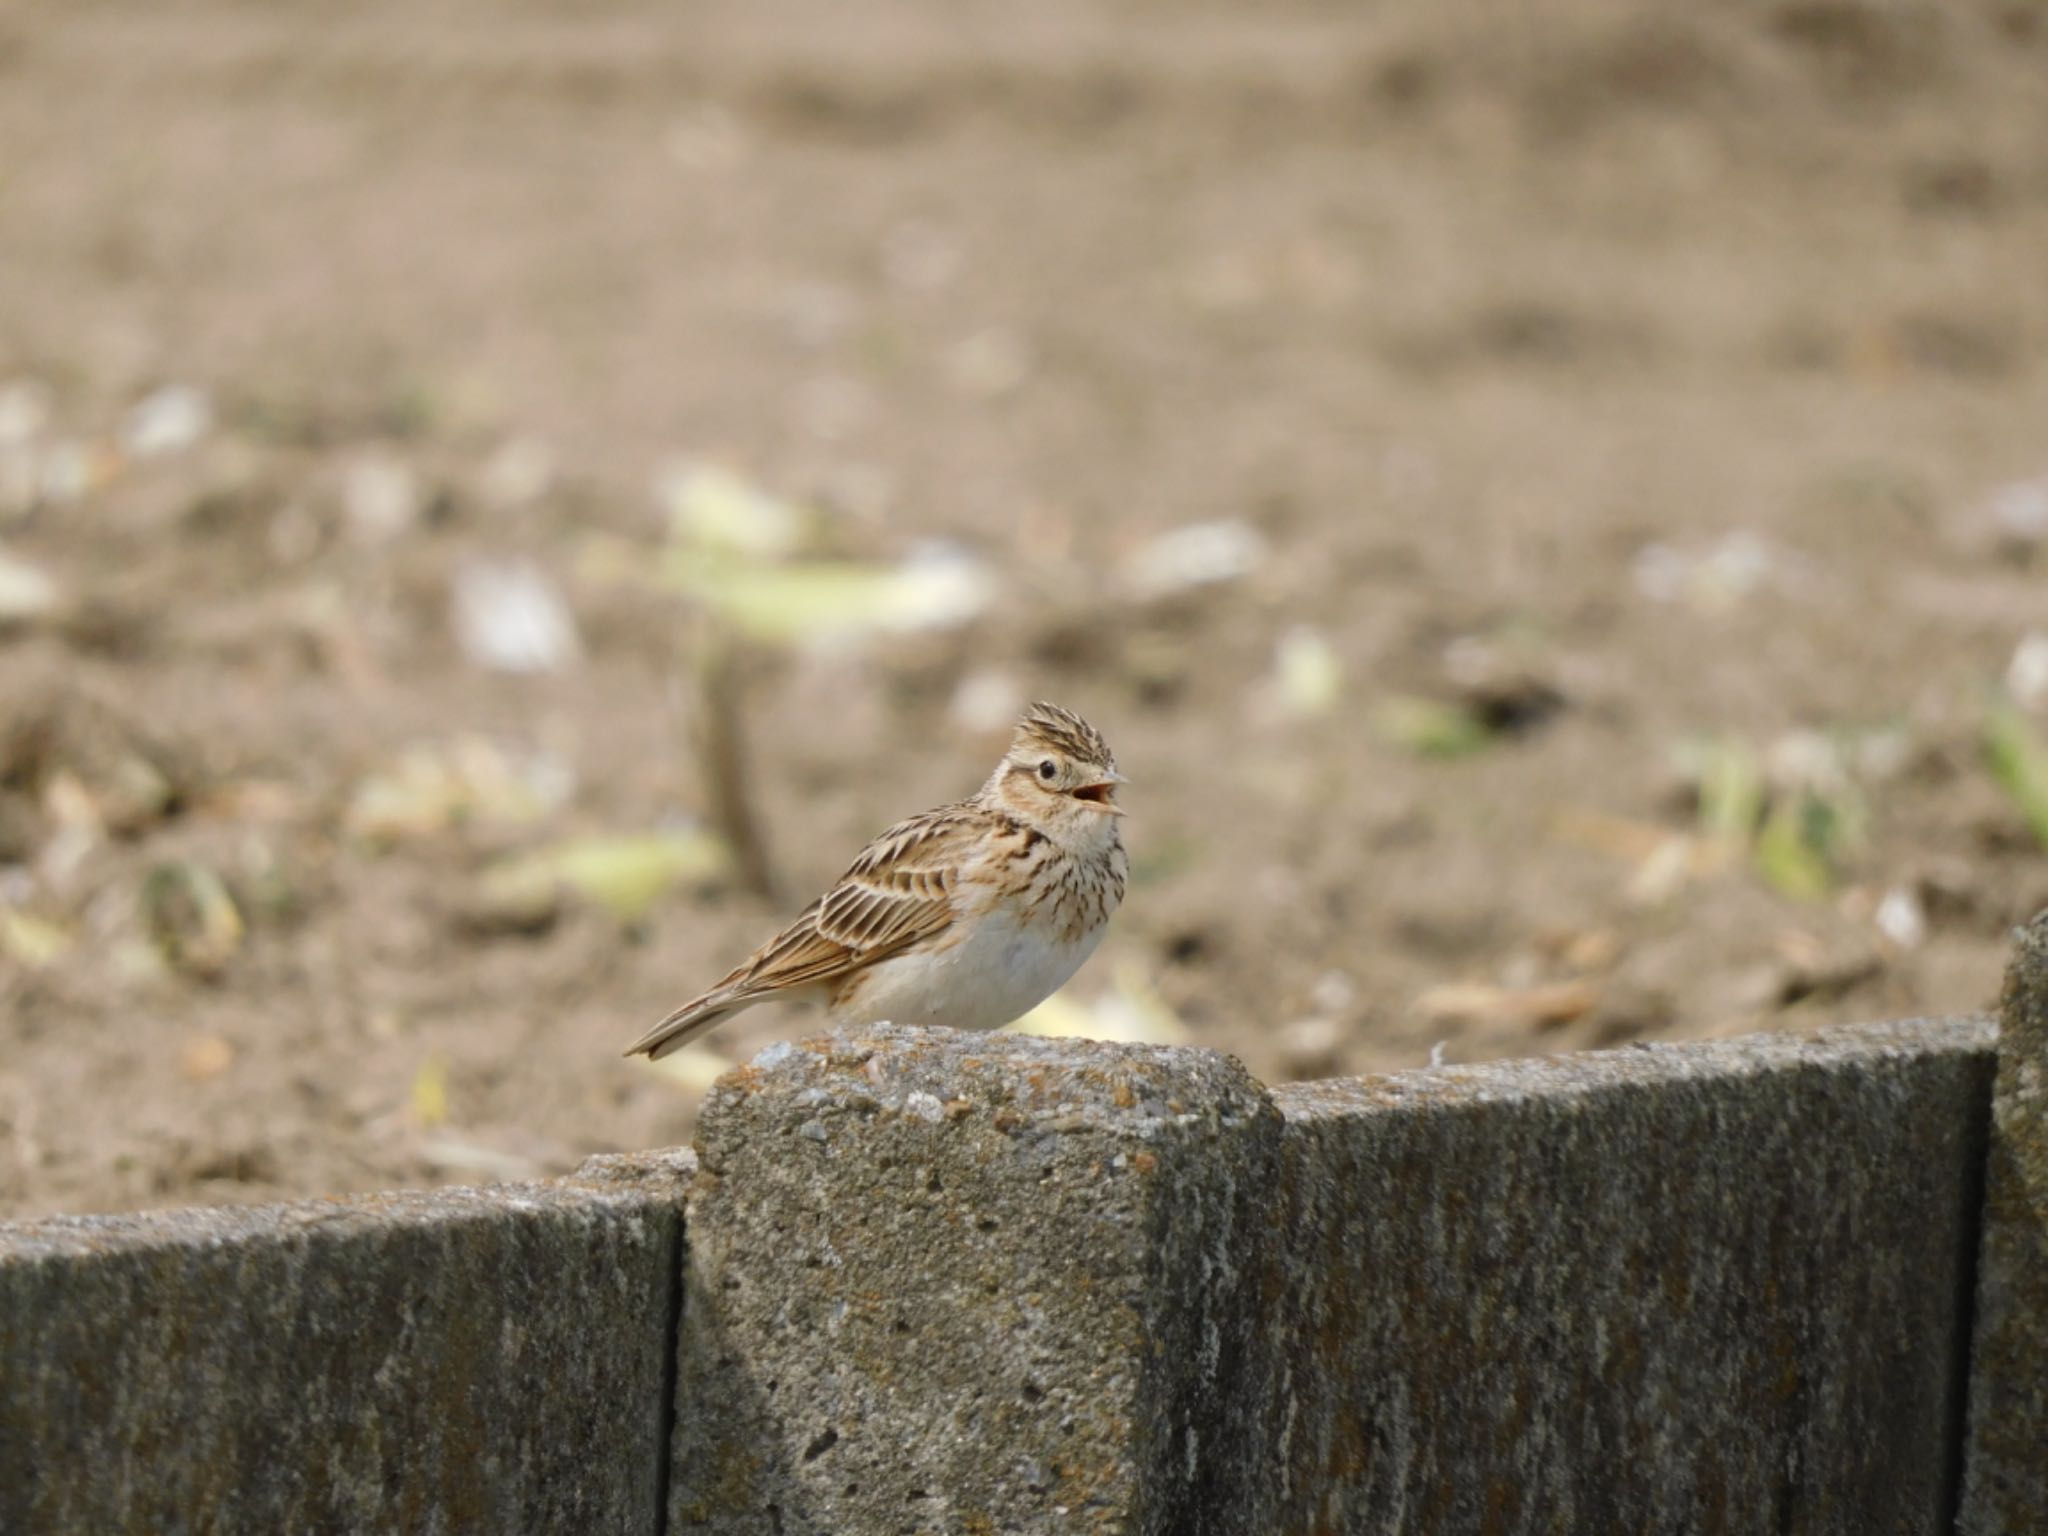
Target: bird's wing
898, 892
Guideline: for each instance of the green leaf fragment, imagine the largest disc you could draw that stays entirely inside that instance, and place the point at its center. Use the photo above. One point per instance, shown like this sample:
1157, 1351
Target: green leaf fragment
191, 919
1791, 851
625, 875
1731, 792
1309, 676
1429, 727
2019, 761
821, 600
30, 941
713, 509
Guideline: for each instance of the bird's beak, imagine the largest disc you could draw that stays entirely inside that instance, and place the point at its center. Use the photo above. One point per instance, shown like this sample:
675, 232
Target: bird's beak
1099, 792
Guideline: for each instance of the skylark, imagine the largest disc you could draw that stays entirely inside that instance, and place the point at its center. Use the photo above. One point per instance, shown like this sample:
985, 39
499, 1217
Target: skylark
969, 915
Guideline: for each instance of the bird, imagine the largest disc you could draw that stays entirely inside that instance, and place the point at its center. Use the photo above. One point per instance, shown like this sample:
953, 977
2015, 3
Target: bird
968, 915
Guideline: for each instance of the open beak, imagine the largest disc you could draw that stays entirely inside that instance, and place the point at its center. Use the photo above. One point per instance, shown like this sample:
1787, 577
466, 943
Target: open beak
1099, 794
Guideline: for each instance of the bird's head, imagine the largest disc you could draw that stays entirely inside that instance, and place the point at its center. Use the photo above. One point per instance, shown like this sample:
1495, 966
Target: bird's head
1060, 776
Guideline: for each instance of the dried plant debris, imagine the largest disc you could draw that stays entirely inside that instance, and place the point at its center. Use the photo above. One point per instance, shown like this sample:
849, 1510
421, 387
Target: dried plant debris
67, 756
830, 603
205, 1057
624, 875
712, 510
1535, 1008
32, 941
191, 919
1720, 576
1806, 970
746, 558
434, 788
725, 761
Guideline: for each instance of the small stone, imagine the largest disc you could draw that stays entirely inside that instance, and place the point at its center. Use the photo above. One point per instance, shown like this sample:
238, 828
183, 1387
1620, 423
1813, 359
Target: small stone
166, 422
1310, 1045
986, 700
1308, 678
1901, 918
518, 474
1196, 555
381, 498
510, 617
990, 363
26, 591
2026, 676
706, 137
920, 256
24, 412
2019, 511
68, 472
205, 1057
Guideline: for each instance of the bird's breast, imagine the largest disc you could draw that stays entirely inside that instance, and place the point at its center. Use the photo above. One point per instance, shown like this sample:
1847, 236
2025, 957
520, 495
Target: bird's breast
998, 968
1052, 888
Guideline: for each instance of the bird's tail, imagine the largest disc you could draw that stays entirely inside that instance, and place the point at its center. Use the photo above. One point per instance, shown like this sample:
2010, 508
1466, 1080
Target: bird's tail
688, 1022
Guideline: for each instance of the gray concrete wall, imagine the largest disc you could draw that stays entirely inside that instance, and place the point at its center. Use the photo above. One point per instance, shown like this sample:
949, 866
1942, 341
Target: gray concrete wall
2007, 1486
464, 1360
939, 1283
946, 1282
1042, 1286
1665, 1289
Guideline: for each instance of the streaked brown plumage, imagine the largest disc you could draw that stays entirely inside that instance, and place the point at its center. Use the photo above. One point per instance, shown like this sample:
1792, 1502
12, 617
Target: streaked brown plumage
968, 915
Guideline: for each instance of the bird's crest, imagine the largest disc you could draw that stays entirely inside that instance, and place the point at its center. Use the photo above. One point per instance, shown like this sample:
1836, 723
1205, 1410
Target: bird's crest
1063, 731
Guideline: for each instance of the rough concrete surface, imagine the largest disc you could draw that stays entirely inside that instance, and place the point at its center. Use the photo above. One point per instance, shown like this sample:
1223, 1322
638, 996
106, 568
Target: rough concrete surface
1663, 1289
2006, 1487
945, 1283
465, 1360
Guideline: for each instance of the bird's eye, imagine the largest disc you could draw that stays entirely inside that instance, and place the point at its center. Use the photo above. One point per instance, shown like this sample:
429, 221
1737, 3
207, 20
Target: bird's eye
1047, 768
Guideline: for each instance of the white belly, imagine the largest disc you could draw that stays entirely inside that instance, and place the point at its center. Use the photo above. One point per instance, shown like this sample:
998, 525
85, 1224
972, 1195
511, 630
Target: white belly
996, 975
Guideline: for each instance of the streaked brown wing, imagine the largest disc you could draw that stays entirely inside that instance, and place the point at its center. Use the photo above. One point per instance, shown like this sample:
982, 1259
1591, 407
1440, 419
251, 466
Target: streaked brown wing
899, 891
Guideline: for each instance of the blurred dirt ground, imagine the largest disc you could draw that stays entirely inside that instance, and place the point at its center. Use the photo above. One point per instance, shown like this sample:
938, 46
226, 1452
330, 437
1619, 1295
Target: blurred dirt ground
1615, 439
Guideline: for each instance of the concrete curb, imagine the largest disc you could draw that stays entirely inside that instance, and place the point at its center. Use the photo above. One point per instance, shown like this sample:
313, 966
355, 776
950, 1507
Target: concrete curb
2006, 1489
947, 1282
942, 1283
458, 1360
1033, 1286
1667, 1288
